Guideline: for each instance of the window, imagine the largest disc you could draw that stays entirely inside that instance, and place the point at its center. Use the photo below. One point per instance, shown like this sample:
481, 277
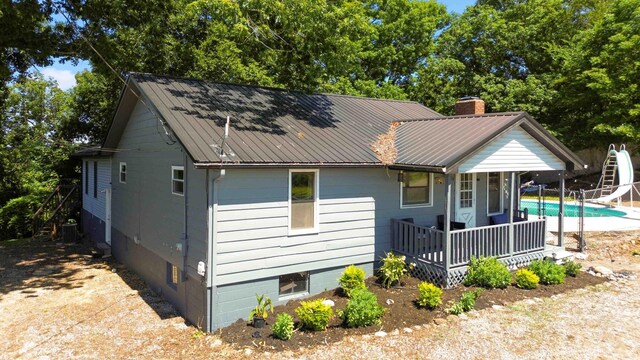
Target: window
177, 180
173, 276
123, 172
293, 284
95, 179
494, 193
86, 177
416, 189
303, 195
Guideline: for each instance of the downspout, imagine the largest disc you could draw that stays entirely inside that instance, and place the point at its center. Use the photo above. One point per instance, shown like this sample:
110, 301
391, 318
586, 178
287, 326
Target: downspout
212, 208
185, 243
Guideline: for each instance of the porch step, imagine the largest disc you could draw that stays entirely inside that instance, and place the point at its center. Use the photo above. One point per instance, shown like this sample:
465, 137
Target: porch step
104, 249
561, 256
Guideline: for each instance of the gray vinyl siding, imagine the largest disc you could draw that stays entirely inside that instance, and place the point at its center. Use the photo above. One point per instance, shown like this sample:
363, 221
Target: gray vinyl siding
235, 301
144, 208
355, 208
96, 206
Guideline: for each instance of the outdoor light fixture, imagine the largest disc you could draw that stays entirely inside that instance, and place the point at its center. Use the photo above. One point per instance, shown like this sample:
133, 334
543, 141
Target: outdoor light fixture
401, 176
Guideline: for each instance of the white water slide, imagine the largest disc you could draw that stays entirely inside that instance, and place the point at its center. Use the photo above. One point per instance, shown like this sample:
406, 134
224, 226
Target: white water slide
622, 161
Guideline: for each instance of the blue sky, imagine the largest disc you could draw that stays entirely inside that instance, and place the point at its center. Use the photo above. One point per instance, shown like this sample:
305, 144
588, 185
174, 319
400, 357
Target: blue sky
64, 74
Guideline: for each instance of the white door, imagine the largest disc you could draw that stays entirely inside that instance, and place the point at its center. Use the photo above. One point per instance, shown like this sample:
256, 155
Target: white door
466, 199
107, 222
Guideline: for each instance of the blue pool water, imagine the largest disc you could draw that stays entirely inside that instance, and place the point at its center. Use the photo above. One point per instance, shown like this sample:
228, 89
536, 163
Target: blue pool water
551, 209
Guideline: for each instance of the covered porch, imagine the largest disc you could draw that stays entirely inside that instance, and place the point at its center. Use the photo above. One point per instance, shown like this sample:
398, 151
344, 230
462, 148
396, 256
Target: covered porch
442, 251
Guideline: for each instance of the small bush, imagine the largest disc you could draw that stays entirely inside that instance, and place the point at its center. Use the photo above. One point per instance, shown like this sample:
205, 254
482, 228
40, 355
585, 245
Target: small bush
314, 315
526, 279
467, 302
352, 278
283, 327
430, 295
548, 272
393, 269
362, 309
571, 268
488, 273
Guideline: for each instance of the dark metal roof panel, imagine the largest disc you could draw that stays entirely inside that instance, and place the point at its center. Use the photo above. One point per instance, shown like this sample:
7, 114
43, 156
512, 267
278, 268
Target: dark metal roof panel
441, 142
271, 125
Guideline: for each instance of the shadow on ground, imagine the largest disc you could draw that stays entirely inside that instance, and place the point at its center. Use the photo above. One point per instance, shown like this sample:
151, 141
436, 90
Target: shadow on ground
29, 266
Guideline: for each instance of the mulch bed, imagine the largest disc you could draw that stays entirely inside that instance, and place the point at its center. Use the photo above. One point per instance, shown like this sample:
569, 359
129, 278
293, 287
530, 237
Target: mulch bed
400, 314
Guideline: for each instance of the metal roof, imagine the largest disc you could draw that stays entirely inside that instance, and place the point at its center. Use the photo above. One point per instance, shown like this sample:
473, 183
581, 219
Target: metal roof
272, 126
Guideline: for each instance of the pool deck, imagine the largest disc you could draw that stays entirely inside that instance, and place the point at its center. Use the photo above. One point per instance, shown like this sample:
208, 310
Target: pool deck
631, 221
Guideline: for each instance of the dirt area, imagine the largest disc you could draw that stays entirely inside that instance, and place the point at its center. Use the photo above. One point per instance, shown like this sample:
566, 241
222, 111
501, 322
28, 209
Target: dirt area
400, 312
58, 302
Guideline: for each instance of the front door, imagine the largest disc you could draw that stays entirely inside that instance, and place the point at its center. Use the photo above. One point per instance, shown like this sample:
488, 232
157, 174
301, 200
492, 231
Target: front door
466, 199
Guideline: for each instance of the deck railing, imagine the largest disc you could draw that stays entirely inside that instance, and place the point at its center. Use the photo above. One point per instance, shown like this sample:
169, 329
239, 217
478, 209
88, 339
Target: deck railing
481, 241
422, 242
428, 244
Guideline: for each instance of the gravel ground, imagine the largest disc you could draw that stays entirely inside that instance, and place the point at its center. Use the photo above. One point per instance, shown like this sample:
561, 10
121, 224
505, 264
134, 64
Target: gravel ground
57, 303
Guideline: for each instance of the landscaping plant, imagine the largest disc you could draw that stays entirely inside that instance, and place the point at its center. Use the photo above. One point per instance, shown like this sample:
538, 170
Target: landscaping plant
467, 302
549, 273
362, 309
262, 309
526, 279
393, 269
283, 327
487, 273
352, 278
314, 315
571, 268
430, 295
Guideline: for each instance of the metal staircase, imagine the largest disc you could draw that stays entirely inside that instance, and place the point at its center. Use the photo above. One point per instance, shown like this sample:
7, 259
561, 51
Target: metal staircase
55, 210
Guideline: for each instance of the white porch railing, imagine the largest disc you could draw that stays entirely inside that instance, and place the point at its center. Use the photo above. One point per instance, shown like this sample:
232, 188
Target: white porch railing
429, 244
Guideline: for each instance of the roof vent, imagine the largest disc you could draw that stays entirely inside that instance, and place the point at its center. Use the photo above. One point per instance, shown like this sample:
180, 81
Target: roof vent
469, 105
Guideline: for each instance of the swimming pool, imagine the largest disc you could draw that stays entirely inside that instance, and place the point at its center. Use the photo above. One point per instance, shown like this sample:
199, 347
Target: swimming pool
551, 209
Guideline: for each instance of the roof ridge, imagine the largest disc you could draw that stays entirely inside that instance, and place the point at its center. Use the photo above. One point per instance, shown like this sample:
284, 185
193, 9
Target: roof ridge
504, 114
273, 88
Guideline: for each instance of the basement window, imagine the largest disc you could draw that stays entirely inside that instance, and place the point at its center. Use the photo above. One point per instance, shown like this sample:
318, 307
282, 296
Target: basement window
416, 189
294, 284
177, 180
173, 276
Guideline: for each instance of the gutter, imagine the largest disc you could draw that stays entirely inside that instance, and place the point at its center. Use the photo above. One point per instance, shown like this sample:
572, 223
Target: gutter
212, 210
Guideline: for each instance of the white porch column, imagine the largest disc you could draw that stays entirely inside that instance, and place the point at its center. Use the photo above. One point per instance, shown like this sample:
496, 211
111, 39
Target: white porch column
512, 197
561, 212
447, 221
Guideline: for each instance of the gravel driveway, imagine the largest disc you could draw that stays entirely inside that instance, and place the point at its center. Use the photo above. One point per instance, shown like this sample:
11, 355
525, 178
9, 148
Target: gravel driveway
57, 303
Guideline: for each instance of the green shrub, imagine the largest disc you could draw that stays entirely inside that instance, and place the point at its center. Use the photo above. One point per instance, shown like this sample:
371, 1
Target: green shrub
16, 217
548, 272
430, 295
314, 315
362, 309
488, 273
283, 327
467, 302
352, 278
526, 279
571, 268
393, 269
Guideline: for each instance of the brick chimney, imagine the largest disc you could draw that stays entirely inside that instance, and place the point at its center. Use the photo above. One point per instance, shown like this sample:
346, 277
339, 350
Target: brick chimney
469, 105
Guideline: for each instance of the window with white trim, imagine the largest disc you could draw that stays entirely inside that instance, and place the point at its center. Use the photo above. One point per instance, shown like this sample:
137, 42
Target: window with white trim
123, 172
303, 200
293, 284
416, 189
177, 180
495, 198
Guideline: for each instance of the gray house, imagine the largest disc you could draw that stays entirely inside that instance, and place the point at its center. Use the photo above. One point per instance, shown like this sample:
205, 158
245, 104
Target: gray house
302, 186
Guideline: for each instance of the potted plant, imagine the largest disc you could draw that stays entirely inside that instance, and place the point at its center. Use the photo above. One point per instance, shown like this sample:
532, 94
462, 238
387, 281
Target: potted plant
260, 313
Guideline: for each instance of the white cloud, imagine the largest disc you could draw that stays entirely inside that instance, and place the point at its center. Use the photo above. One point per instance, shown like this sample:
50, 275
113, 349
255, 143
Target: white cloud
65, 78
